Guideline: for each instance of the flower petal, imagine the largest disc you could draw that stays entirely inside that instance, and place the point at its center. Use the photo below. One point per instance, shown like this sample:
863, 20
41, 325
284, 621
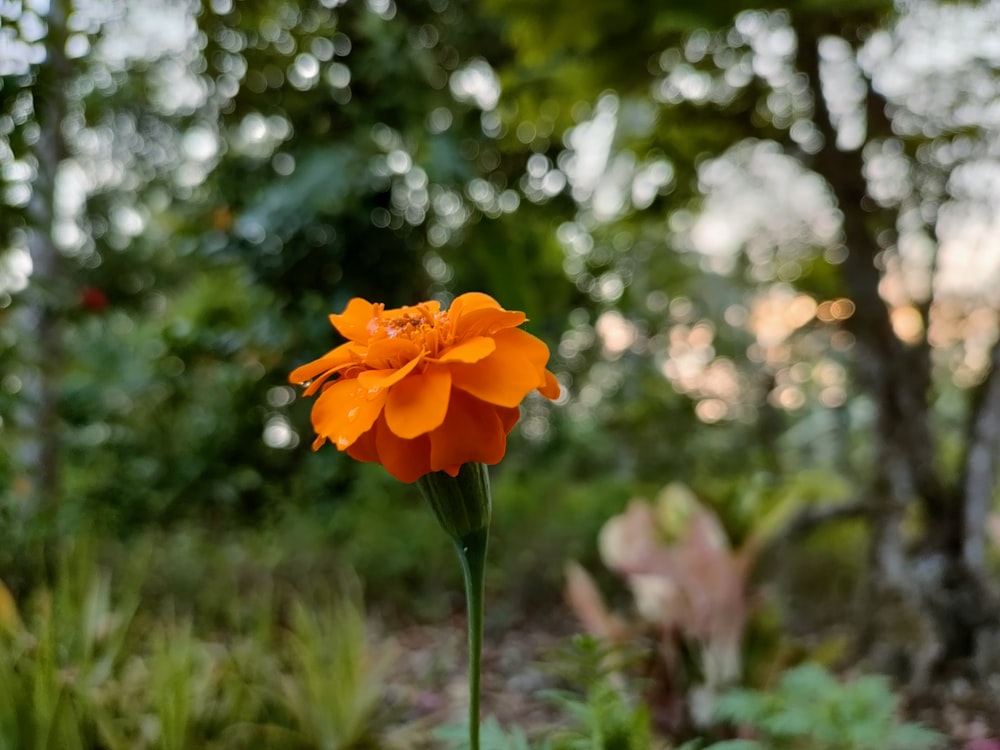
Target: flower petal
372, 379
390, 353
476, 314
508, 417
505, 377
531, 346
363, 449
316, 383
551, 389
469, 351
471, 431
536, 351
382, 398
345, 410
407, 460
469, 301
343, 354
353, 322
418, 404
485, 321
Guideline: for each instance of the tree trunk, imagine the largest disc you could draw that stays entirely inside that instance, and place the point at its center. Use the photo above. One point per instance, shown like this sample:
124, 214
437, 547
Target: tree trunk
932, 599
979, 478
41, 343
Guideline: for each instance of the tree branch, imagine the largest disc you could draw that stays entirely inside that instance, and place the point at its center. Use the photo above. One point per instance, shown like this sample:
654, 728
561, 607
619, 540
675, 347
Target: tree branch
812, 518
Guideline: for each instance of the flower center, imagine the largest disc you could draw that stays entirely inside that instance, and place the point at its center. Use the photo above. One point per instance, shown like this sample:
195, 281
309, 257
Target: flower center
429, 330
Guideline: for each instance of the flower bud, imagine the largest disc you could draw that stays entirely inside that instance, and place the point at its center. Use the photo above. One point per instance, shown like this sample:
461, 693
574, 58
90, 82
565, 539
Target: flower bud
461, 503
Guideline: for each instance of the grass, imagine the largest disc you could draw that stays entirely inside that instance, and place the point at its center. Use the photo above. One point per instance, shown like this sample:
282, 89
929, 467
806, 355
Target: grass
93, 660
225, 639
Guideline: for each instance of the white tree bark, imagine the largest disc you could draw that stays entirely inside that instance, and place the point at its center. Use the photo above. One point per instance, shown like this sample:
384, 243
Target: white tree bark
980, 475
40, 339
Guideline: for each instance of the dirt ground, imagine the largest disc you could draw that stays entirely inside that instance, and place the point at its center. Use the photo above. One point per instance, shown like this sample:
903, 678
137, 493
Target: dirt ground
429, 687
429, 683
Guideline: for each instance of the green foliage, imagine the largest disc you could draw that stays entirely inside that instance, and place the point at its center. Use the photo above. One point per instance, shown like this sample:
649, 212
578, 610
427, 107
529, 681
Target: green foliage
171, 397
335, 679
584, 48
810, 708
89, 667
155, 412
602, 714
820, 575
540, 520
324, 187
184, 687
723, 745
55, 669
492, 736
599, 715
388, 534
370, 176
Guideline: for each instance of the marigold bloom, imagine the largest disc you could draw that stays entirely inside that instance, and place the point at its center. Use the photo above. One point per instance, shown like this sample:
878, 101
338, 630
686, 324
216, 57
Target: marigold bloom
420, 389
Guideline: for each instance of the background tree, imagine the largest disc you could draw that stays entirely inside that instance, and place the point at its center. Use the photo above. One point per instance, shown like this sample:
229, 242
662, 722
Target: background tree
213, 191
864, 171
712, 213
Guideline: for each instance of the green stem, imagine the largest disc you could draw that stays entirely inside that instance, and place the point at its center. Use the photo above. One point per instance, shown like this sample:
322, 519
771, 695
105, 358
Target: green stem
472, 553
463, 507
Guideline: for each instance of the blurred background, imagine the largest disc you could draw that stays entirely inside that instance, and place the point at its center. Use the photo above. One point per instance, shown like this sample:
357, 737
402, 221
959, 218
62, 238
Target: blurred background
760, 240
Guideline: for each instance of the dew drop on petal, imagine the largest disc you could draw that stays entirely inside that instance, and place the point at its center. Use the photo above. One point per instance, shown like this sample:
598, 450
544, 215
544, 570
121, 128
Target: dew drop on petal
353, 413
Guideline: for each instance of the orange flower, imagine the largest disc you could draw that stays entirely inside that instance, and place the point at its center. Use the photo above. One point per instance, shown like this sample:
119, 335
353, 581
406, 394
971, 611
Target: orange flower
419, 389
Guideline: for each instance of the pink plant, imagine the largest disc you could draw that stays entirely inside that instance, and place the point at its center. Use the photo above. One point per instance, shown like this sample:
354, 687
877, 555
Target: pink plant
694, 587
689, 583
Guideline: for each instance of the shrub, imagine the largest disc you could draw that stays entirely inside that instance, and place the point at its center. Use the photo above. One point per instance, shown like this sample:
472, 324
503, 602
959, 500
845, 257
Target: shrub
810, 709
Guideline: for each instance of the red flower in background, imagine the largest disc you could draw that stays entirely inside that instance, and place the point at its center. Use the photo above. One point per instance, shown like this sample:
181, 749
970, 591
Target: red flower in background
93, 299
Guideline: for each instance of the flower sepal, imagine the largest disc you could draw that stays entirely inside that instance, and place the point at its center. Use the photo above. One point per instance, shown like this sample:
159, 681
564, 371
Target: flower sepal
461, 503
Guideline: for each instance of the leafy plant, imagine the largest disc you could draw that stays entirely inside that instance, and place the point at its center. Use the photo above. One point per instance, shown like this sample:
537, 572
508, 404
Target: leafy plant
605, 714
182, 688
600, 711
335, 676
810, 709
55, 667
690, 588
492, 736
86, 664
